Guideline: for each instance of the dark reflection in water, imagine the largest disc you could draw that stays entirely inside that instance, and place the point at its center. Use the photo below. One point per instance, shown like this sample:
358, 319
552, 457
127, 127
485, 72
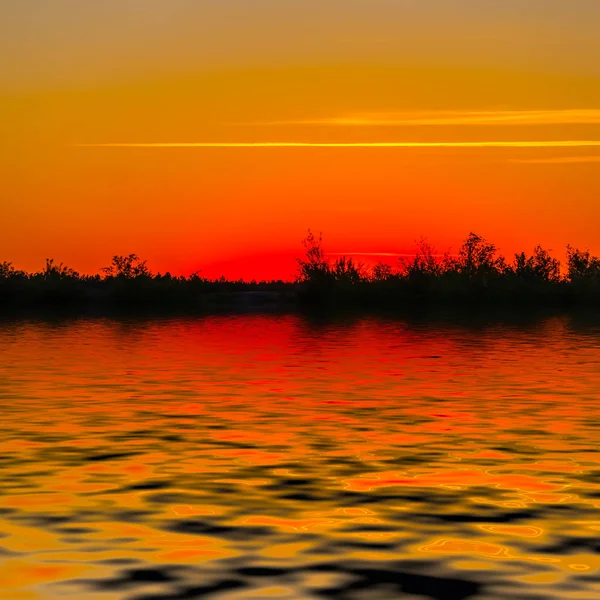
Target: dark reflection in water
272, 457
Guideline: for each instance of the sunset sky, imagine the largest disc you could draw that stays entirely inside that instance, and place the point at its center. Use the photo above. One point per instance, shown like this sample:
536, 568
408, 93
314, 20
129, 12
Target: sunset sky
211, 134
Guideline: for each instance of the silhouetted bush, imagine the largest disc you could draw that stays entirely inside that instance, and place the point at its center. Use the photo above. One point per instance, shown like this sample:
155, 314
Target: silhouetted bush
382, 272
8, 271
346, 271
423, 271
56, 271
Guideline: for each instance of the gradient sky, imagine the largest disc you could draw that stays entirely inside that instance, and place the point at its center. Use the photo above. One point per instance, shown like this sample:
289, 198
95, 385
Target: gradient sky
430, 79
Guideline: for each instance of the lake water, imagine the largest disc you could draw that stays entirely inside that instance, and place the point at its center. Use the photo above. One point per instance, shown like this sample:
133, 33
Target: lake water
275, 457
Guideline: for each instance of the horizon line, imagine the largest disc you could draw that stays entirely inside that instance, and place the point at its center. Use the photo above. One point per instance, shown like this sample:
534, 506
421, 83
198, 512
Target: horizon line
483, 144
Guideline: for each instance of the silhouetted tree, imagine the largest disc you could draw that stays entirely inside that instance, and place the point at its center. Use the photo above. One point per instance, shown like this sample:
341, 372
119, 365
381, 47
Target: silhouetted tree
424, 264
477, 258
581, 265
316, 266
126, 267
540, 266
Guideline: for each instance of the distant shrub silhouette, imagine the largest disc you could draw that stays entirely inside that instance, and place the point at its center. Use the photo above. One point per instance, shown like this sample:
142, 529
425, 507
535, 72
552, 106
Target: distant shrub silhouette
54, 271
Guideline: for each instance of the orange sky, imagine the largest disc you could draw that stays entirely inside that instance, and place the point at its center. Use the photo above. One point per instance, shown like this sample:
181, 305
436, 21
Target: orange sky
401, 72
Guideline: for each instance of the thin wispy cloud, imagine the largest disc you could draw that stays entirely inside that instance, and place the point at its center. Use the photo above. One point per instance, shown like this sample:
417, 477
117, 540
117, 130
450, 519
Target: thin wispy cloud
384, 254
376, 254
439, 118
484, 144
558, 160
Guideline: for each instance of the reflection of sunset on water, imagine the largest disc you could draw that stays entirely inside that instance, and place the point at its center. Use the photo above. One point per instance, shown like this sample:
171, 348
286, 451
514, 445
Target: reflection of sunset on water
251, 448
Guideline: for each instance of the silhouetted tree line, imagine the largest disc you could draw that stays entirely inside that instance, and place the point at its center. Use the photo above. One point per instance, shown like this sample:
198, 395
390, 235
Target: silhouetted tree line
477, 273
127, 282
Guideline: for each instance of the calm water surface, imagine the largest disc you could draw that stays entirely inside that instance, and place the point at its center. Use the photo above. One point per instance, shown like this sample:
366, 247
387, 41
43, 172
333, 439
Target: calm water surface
274, 457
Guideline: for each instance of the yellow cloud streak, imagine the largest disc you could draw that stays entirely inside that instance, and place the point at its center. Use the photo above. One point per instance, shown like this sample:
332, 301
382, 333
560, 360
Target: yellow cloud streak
527, 117
498, 144
559, 160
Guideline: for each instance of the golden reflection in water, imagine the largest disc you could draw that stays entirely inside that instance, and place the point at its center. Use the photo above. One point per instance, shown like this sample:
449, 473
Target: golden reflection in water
273, 456
466, 547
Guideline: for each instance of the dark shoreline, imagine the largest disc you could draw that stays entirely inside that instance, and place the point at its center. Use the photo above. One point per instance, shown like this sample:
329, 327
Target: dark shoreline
476, 280
295, 299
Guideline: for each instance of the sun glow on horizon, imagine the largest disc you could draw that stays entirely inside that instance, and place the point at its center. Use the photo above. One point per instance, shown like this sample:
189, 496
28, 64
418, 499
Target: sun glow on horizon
211, 135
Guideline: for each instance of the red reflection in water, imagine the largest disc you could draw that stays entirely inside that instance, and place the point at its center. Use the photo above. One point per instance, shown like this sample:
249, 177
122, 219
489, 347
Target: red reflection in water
412, 436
